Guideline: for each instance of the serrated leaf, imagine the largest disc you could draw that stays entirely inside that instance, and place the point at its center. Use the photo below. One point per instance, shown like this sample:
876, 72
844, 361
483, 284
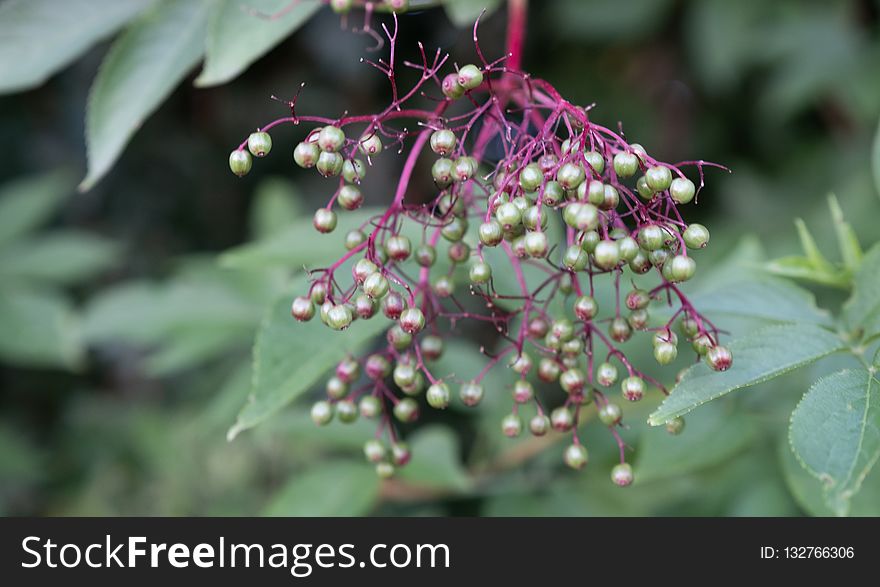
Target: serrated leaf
847, 242
141, 69
39, 37
60, 257
835, 432
436, 462
38, 329
757, 357
768, 298
464, 13
28, 202
239, 33
711, 436
290, 357
338, 488
277, 205
862, 311
297, 245
796, 267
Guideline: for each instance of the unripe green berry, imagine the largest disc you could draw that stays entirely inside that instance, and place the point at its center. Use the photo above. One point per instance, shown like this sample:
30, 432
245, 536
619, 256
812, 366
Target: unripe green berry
324, 220
593, 191
658, 177
539, 425
561, 419
377, 367
443, 141
443, 286
596, 161
570, 176
511, 425
606, 374
350, 197
363, 269
625, 164
611, 198
637, 299
331, 138
553, 194
643, 189
364, 306
341, 6
696, 236
665, 336
426, 255
523, 391
339, 317
535, 217
491, 233
370, 144
443, 172
354, 238
336, 388
398, 247
470, 393
240, 162
376, 286
589, 240
465, 168
346, 411
548, 370
412, 320
640, 263
576, 456
610, 414
536, 244
651, 237
329, 164
531, 177
306, 154
397, 337
665, 353
322, 413
572, 381
682, 190
406, 410
455, 229
353, 170
431, 347
458, 252
575, 258
509, 215
620, 330
302, 309
638, 319
384, 470
438, 396
470, 77
633, 388
675, 426
607, 255
622, 475
719, 358
702, 343
374, 450
681, 268
259, 144
585, 308
451, 87
521, 363
370, 406
400, 453
480, 272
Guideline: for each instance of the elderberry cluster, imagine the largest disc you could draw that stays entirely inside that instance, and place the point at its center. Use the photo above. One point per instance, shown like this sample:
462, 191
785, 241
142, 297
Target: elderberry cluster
512, 159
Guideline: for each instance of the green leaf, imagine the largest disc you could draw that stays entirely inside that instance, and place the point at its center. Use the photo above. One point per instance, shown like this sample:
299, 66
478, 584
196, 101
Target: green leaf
189, 347
39, 37
607, 19
141, 69
239, 33
875, 159
26, 203
277, 204
862, 311
464, 13
38, 329
835, 432
711, 436
847, 242
61, 257
811, 249
796, 267
767, 298
290, 357
757, 357
436, 461
338, 488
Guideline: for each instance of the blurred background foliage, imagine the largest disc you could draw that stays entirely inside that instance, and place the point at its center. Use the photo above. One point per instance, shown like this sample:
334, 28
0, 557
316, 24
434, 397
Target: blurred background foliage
128, 311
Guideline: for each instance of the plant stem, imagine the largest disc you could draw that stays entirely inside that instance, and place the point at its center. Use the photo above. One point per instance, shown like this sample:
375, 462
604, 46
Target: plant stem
516, 31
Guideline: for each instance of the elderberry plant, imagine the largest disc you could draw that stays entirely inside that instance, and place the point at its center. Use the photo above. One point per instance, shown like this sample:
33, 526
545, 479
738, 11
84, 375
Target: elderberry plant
528, 187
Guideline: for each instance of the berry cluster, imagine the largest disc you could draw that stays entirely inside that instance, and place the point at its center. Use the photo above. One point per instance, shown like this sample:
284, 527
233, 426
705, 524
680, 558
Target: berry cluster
520, 170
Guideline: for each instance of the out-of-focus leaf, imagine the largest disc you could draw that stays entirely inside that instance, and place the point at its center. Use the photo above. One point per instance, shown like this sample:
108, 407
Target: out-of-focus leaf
297, 245
847, 242
38, 329
290, 356
767, 298
758, 357
464, 13
607, 19
58, 257
811, 249
795, 267
711, 436
875, 159
338, 488
27, 203
141, 69
835, 432
276, 206
39, 37
240, 33
862, 310
436, 462
187, 348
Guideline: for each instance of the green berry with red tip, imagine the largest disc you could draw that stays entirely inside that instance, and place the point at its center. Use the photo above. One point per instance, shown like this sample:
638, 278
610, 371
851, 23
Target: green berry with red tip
329, 164
339, 317
511, 425
353, 170
370, 144
374, 450
426, 255
331, 138
322, 413
572, 381
376, 286
491, 233
586, 308
570, 176
412, 320
370, 406
350, 197
470, 77
539, 425
451, 87
470, 393
398, 247
443, 141
336, 388
622, 475
400, 453
719, 358
633, 388
606, 374
610, 414
259, 144
536, 244
406, 410
302, 309
523, 391
625, 164
306, 154
531, 177
438, 396
576, 456
620, 330
561, 419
